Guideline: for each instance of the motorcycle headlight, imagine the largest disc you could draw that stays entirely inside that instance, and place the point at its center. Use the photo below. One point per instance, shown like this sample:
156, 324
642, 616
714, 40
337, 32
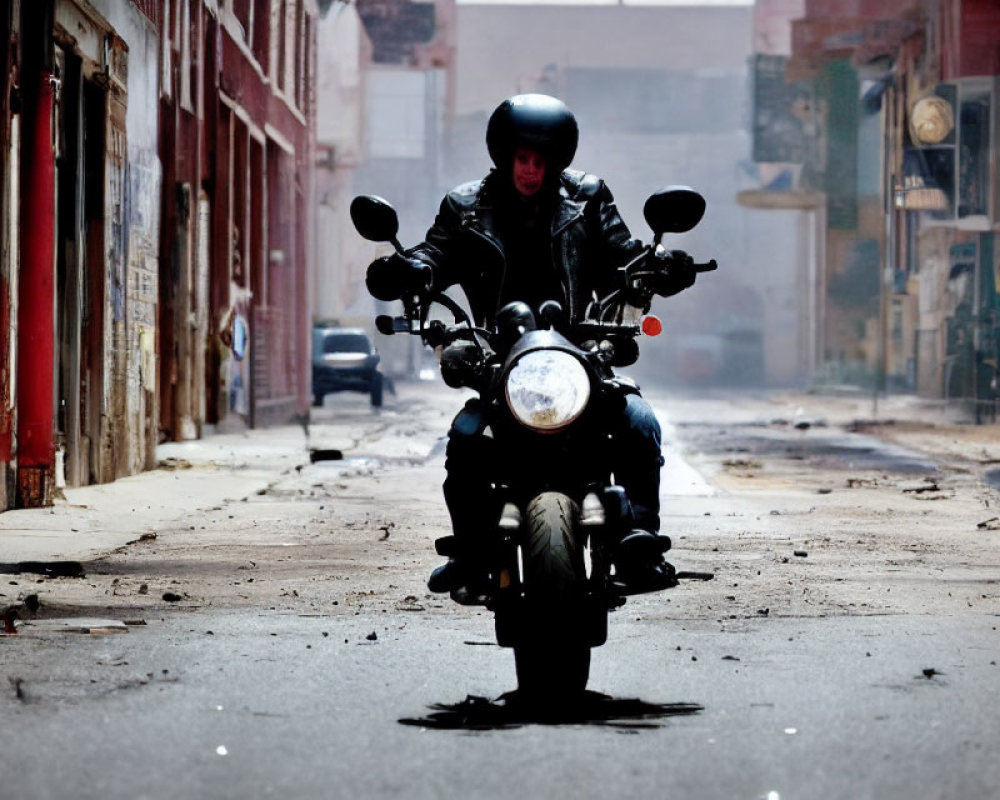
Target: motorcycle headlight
547, 389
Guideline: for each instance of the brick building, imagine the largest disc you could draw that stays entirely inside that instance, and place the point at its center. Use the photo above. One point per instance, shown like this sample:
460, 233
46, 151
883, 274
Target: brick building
237, 107
886, 115
80, 216
155, 204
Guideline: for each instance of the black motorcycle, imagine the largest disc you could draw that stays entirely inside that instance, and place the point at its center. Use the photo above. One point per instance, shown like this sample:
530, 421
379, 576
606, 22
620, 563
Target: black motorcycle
548, 385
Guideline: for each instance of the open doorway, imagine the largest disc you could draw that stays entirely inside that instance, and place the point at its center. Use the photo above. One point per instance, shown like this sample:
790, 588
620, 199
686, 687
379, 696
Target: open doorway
80, 142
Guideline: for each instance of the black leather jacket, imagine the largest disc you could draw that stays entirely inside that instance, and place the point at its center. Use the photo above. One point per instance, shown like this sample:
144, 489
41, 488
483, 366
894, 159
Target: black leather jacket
589, 242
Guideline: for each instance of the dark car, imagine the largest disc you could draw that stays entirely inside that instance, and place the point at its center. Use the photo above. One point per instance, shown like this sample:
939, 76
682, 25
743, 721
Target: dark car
344, 360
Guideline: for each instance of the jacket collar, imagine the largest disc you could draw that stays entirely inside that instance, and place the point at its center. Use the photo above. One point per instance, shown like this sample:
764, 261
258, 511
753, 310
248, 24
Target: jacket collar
567, 212
482, 215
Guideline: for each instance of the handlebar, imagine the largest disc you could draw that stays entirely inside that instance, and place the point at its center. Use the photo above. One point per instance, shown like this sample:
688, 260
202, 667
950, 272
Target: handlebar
415, 320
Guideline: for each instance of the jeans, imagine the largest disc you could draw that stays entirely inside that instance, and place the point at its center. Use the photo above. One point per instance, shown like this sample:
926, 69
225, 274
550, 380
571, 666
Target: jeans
635, 462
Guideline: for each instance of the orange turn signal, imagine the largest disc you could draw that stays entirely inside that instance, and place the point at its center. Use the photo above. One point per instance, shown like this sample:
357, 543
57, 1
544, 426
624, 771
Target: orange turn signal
651, 325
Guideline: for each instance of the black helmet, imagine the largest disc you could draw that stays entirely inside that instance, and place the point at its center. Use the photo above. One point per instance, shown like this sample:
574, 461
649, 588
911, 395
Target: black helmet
537, 121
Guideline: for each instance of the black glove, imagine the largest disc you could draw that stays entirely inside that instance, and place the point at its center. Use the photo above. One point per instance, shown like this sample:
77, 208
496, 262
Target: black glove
674, 272
391, 277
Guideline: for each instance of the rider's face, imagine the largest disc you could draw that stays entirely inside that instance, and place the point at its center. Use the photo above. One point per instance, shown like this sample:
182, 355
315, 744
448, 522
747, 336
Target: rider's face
529, 171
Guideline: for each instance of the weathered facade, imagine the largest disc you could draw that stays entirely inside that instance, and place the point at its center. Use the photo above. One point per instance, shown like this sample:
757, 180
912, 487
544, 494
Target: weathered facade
80, 214
156, 161
238, 147
886, 115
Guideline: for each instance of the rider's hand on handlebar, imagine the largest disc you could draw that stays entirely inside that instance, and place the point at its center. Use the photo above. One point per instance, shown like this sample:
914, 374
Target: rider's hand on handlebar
674, 271
392, 277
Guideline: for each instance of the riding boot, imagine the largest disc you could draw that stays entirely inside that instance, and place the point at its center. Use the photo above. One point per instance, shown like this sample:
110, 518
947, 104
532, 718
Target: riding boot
640, 565
468, 493
462, 576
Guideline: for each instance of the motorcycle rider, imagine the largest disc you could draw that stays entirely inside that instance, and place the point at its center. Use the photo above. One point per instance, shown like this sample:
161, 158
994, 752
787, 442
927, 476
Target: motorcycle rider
533, 230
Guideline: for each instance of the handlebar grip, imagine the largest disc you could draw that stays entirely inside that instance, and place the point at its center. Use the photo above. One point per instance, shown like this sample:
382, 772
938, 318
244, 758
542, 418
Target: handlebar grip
387, 325
707, 266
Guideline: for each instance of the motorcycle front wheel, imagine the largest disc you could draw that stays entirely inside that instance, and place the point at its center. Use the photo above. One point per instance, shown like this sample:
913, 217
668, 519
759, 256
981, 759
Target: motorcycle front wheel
553, 656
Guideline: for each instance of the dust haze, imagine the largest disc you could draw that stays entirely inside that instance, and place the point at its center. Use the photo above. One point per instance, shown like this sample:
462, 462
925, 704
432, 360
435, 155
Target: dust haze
662, 95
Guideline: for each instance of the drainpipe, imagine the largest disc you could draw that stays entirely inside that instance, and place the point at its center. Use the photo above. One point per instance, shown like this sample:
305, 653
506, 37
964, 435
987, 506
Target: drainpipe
36, 278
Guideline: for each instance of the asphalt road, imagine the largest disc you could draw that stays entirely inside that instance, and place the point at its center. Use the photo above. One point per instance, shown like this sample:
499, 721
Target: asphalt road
270, 705
785, 677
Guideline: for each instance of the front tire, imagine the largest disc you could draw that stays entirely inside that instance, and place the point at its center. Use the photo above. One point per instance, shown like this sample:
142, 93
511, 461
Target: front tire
553, 656
376, 390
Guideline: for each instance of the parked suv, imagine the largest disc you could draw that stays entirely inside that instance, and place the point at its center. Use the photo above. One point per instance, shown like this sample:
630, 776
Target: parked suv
344, 360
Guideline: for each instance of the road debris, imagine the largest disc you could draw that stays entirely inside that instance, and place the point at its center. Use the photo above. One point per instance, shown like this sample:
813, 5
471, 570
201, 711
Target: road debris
89, 625
919, 487
687, 575
174, 463
50, 569
329, 454
927, 489
991, 524
747, 465
409, 603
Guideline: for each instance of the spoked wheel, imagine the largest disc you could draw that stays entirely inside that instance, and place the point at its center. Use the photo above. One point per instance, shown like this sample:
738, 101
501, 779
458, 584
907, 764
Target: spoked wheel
553, 658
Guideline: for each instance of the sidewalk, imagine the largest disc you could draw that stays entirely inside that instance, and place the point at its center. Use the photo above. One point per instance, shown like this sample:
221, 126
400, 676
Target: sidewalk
195, 475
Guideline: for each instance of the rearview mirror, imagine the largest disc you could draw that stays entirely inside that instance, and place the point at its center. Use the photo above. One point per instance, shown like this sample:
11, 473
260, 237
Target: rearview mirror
374, 218
673, 209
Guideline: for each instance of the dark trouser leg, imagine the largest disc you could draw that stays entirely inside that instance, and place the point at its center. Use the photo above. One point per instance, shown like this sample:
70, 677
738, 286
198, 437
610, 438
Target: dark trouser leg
467, 487
637, 461
469, 496
639, 563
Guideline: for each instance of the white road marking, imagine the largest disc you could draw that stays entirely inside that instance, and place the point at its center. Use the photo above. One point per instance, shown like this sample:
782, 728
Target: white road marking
677, 476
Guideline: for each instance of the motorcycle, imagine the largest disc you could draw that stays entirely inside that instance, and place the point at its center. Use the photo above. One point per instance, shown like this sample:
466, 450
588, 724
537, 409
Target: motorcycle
548, 386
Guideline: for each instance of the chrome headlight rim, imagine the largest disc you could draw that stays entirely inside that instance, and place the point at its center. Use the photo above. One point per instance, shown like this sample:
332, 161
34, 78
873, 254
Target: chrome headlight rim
547, 389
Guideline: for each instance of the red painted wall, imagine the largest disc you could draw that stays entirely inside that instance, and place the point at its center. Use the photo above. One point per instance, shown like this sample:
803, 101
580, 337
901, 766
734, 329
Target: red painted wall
980, 38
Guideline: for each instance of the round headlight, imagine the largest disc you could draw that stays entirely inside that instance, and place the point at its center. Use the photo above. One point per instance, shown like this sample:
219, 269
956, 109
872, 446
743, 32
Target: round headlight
547, 389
